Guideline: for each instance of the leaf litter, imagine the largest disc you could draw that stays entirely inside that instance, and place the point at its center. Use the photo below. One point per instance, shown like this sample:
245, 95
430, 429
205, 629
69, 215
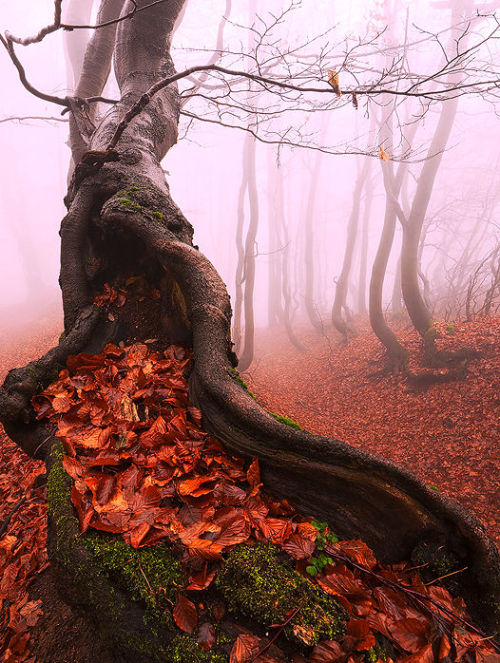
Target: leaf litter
142, 468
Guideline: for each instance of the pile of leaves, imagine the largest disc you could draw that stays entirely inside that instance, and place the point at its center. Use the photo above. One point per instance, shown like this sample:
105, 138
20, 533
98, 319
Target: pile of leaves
143, 468
23, 537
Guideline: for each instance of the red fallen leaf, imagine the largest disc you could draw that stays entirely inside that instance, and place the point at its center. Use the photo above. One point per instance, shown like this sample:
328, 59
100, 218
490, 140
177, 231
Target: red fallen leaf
192, 486
245, 648
307, 531
102, 487
203, 549
424, 655
206, 636
298, 547
359, 637
185, 615
379, 622
136, 535
201, 580
82, 502
195, 415
233, 531
390, 602
156, 435
276, 530
444, 648
357, 551
253, 476
73, 467
62, 402
328, 651
442, 596
228, 495
410, 634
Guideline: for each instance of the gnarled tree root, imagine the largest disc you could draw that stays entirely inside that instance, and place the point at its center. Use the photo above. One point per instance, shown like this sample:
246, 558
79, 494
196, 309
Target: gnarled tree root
358, 494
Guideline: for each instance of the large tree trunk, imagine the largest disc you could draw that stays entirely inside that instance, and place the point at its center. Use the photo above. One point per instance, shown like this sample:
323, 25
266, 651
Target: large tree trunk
124, 212
341, 322
418, 310
363, 253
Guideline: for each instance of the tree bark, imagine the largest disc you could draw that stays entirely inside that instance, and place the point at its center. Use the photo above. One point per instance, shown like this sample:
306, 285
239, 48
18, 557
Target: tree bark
125, 212
418, 311
363, 254
340, 322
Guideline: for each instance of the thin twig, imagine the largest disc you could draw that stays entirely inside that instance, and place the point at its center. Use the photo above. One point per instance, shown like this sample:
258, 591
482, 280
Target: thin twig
417, 596
276, 635
6, 522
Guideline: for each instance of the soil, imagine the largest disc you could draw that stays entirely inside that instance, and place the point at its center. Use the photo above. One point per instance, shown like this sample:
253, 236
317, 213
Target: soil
62, 634
447, 433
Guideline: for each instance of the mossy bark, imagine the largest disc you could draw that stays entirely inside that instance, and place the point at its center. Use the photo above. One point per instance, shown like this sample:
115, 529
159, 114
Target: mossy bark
130, 592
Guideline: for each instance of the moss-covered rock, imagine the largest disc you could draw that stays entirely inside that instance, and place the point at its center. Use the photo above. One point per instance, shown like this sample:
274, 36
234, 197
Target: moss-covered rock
128, 591
256, 583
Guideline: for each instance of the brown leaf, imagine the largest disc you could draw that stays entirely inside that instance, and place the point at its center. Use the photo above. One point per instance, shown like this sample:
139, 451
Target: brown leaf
425, 655
185, 615
298, 547
253, 476
410, 634
206, 636
359, 637
357, 551
328, 651
201, 580
218, 610
245, 648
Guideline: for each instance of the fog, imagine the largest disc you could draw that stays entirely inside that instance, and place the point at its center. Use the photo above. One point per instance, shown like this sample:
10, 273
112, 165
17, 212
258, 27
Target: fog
205, 168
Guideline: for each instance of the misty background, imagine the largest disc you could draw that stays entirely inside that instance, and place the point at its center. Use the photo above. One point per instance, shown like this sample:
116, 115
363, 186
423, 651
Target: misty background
205, 169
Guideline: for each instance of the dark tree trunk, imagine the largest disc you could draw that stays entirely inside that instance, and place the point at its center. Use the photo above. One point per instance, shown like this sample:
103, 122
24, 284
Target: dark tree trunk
341, 322
418, 310
275, 213
247, 345
398, 356
363, 254
310, 304
125, 212
397, 295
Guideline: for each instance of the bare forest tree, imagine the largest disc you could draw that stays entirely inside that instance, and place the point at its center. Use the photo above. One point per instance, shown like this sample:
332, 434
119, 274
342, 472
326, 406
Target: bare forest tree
122, 222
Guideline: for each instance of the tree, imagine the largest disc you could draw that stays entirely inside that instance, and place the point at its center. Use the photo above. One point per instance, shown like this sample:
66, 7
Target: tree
122, 223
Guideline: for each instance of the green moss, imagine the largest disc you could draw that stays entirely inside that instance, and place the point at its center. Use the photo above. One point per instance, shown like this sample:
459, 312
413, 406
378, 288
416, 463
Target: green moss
126, 202
375, 653
286, 420
113, 580
242, 382
185, 649
217, 657
158, 215
436, 561
255, 583
147, 574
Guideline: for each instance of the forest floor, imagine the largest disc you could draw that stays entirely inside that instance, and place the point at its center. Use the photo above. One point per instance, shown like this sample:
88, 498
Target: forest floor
446, 433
